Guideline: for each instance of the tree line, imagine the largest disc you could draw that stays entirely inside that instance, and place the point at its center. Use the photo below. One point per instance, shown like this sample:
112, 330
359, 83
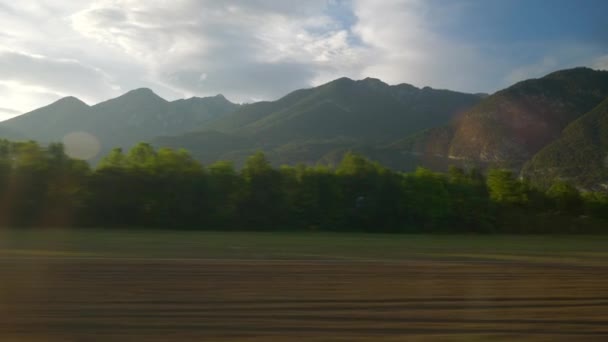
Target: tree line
165, 188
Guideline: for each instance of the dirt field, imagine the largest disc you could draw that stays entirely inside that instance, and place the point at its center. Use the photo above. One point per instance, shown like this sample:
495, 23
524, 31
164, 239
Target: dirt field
49, 296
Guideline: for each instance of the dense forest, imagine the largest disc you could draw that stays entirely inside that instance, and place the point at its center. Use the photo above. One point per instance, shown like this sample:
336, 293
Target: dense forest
165, 188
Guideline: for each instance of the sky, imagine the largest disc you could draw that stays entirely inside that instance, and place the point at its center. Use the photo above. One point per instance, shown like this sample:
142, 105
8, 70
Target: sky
251, 50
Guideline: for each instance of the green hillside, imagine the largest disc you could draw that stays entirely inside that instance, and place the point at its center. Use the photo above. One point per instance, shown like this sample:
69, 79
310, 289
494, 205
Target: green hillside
580, 155
367, 109
322, 123
11, 134
51, 122
513, 124
401, 126
139, 115
510, 126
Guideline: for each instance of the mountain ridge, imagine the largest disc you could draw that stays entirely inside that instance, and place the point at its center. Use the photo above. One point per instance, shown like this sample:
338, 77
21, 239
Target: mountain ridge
400, 125
137, 115
312, 122
508, 127
579, 155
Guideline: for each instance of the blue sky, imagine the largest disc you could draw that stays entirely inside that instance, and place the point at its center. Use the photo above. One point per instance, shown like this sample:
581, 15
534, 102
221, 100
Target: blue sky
528, 32
529, 20
252, 50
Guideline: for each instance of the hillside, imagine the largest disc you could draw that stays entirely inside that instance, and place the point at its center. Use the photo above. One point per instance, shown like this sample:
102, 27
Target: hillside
367, 109
11, 134
51, 122
208, 147
139, 115
580, 155
308, 125
510, 126
401, 126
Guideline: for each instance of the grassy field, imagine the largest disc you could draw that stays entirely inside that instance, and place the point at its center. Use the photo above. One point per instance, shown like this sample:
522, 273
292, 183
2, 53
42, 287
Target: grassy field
73, 285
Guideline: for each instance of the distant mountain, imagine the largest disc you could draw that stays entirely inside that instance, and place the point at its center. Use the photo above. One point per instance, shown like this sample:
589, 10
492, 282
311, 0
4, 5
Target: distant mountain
579, 155
308, 124
139, 115
428, 148
510, 126
555, 125
51, 122
367, 109
10, 134
209, 146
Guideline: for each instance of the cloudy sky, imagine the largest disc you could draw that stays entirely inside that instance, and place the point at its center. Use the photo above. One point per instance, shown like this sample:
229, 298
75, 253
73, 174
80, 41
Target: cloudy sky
250, 50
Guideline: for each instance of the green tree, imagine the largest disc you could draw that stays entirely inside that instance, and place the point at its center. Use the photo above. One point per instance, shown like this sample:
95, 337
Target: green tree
141, 156
262, 205
456, 174
505, 188
225, 193
114, 159
169, 161
566, 197
470, 207
595, 204
427, 200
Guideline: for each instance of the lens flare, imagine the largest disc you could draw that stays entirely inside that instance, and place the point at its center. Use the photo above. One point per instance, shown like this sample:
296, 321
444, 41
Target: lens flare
81, 145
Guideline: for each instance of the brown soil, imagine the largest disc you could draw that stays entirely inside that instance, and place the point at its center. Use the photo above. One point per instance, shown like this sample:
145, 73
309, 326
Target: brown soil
72, 299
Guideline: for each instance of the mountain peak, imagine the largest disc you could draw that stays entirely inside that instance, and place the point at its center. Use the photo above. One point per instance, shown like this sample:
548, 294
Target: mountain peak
341, 80
141, 91
577, 72
368, 81
142, 94
70, 101
221, 98
372, 80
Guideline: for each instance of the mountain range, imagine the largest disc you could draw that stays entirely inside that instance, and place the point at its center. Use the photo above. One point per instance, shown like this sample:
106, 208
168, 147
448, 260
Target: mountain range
322, 123
306, 125
139, 115
551, 127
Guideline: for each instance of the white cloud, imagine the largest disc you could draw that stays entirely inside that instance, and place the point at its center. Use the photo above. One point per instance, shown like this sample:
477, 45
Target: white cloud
245, 49
8, 111
61, 76
534, 70
19, 98
406, 48
560, 55
601, 63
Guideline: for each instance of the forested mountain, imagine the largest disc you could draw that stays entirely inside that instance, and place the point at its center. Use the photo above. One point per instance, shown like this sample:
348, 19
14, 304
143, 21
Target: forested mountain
309, 125
320, 124
368, 109
136, 116
510, 126
51, 122
580, 155
8, 133
400, 126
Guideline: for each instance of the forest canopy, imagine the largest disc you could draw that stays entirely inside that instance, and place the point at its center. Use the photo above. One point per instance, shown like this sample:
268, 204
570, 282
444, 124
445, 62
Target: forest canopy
166, 188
